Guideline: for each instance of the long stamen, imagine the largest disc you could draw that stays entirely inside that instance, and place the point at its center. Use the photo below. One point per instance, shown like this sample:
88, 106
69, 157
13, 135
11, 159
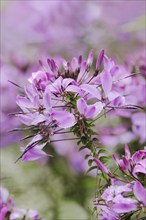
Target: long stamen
27, 149
63, 132
15, 84
67, 139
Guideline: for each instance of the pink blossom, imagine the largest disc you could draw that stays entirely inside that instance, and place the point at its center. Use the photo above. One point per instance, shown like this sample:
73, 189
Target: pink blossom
134, 164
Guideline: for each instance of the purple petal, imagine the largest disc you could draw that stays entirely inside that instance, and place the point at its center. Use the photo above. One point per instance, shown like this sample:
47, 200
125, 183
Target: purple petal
74, 64
108, 193
90, 111
91, 89
81, 106
49, 63
66, 82
99, 60
140, 167
73, 88
109, 64
121, 163
29, 92
139, 118
119, 101
124, 200
56, 86
39, 118
123, 207
36, 101
127, 152
108, 213
64, 119
96, 80
116, 159
49, 76
139, 192
3, 213
38, 77
138, 155
124, 164
23, 103
47, 98
101, 166
90, 58
82, 71
124, 188
17, 213
106, 81
93, 110
26, 119
99, 107
80, 60
52, 65
34, 153
33, 214
15, 216
113, 95
33, 77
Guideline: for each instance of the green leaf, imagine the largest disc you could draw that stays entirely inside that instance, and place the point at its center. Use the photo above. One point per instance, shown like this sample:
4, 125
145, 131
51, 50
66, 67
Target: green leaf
95, 140
102, 151
83, 140
91, 168
127, 216
104, 159
82, 148
90, 162
86, 156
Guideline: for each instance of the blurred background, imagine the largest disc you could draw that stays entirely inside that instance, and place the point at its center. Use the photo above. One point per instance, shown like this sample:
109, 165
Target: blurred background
31, 30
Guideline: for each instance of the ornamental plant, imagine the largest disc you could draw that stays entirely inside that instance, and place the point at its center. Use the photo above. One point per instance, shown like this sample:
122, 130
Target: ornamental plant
65, 97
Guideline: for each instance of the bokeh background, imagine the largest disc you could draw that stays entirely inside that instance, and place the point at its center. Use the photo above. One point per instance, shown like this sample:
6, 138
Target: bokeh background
31, 30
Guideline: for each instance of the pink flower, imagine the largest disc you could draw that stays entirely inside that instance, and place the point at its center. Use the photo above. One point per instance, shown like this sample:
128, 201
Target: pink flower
106, 81
135, 163
99, 60
115, 202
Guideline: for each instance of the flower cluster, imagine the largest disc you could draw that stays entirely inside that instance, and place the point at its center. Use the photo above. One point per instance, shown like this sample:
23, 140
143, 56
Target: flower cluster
122, 197
130, 124
10, 212
69, 95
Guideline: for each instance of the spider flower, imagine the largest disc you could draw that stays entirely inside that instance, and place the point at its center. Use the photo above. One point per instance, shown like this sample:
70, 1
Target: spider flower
67, 95
115, 203
134, 164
